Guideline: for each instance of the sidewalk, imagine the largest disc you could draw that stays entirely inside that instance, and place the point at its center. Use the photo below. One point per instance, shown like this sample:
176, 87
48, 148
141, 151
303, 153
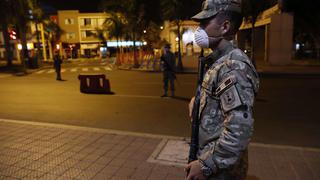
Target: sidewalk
50, 151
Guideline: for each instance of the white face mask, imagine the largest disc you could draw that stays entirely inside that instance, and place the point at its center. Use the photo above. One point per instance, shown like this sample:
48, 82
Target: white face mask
201, 38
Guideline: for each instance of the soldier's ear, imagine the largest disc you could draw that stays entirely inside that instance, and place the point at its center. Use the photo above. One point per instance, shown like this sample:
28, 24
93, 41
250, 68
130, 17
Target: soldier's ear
225, 27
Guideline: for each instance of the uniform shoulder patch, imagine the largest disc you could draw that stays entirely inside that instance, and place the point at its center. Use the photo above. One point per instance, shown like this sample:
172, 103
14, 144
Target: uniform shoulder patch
228, 94
230, 99
225, 85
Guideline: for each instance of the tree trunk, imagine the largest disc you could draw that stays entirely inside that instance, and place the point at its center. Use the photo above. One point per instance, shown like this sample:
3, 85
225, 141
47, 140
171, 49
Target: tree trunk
38, 42
135, 61
7, 44
252, 42
180, 66
24, 51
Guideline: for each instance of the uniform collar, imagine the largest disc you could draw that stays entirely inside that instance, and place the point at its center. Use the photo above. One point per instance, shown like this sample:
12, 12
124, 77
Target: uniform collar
218, 53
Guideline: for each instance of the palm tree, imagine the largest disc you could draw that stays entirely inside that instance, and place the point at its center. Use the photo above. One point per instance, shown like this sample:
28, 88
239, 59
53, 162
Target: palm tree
38, 18
134, 13
5, 14
115, 25
21, 18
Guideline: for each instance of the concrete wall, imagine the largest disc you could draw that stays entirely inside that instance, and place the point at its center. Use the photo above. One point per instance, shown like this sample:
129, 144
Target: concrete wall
280, 39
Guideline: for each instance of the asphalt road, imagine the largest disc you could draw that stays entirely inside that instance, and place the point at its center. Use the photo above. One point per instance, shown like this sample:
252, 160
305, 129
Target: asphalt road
285, 111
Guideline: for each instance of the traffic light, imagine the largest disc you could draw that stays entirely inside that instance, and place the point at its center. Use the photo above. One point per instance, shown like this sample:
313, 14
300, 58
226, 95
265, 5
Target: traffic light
12, 34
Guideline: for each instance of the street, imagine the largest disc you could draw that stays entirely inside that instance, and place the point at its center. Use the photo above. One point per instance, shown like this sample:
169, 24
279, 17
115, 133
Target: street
285, 111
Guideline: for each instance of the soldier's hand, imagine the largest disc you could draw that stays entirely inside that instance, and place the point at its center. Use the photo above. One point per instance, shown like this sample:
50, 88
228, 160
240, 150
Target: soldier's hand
195, 172
191, 107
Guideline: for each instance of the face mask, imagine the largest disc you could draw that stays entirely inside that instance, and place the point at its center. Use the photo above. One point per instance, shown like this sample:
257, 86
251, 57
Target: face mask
202, 38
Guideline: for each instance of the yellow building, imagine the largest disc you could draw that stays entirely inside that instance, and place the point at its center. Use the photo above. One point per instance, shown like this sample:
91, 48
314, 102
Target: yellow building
80, 29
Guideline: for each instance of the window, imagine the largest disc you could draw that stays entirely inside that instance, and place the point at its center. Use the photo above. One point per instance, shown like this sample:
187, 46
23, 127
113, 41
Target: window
87, 22
69, 21
71, 35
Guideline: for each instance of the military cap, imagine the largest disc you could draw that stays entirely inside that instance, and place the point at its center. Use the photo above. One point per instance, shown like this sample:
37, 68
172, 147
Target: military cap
211, 7
167, 45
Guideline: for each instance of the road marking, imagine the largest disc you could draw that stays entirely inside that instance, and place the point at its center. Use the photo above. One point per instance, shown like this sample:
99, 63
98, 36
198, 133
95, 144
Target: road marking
96, 69
5, 75
50, 71
107, 68
139, 96
74, 70
40, 72
85, 69
63, 70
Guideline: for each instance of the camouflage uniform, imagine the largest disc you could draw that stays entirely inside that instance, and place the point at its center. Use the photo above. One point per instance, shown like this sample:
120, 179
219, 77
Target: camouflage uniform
226, 103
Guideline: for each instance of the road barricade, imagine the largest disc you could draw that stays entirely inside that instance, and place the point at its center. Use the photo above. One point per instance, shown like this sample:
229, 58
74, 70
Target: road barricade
94, 84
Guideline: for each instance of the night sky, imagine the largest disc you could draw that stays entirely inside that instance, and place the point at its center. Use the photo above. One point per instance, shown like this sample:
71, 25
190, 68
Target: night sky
82, 5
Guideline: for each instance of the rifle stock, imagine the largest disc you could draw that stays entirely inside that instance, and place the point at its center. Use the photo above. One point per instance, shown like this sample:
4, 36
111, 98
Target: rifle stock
194, 144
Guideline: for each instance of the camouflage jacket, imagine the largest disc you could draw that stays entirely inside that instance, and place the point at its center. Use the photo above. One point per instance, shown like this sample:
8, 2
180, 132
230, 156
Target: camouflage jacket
226, 102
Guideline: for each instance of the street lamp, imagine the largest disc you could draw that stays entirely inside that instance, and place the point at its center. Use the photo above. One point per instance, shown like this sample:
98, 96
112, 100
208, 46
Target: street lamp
144, 31
161, 27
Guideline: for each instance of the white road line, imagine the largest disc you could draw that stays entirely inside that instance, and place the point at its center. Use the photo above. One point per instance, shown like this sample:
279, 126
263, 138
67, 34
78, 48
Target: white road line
139, 96
85, 69
96, 69
63, 70
165, 137
107, 68
5, 75
40, 72
74, 70
50, 71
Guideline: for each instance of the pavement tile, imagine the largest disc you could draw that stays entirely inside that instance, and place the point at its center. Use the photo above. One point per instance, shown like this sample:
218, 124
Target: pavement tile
124, 172
9, 160
110, 169
175, 176
59, 170
157, 176
86, 175
46, 168
72, 173
102, 176
34, 175
95, 168
299, 165
118, 162
10, 171
284, 170
35, 165
139, 175
104, 160
81, 165
49, 176
91, 158
313, 162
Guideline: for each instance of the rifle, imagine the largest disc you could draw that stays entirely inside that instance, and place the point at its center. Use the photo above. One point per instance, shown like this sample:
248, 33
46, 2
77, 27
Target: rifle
194, 144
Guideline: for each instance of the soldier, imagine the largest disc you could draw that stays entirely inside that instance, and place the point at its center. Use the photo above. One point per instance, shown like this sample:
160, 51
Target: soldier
57, 65
227, 95
168, 61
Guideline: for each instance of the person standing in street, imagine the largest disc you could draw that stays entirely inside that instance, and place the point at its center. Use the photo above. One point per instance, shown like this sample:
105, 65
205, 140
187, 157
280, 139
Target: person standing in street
168, 61
226, 96
57, 65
